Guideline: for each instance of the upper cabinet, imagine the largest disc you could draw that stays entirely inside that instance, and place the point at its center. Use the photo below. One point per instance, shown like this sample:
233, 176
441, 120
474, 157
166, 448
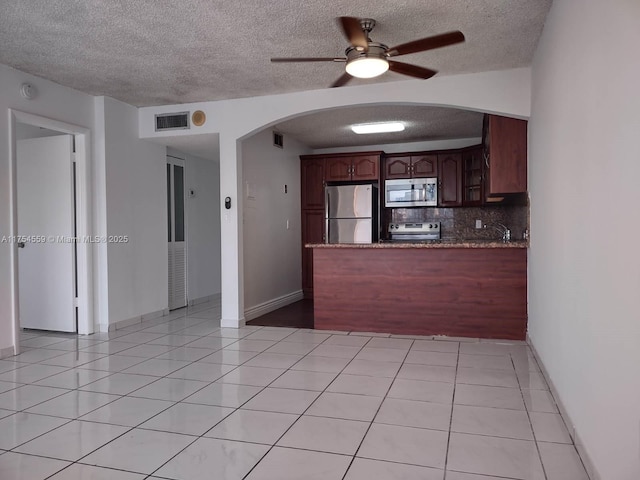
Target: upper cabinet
505, 155
411, 166
450, 179
473, 176
352, 167
338, 169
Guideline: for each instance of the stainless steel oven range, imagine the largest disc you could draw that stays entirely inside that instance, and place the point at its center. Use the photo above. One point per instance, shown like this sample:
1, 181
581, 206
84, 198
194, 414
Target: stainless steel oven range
414, 232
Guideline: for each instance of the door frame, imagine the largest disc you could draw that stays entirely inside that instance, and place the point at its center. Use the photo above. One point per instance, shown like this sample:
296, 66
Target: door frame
83, 216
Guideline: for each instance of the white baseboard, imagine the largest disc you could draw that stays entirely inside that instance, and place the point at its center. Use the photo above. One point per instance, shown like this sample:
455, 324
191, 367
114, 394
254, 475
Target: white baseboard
127, 322
573, 431
7, 352
214, 298
233, 323
271, 305
152, 315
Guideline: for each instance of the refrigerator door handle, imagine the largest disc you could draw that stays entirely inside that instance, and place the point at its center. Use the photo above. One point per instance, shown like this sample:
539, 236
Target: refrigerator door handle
326, 218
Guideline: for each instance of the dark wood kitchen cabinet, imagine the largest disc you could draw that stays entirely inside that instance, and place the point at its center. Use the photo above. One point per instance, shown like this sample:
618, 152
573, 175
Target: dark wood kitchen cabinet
352, 167
315, 172
505, 155
338, 169
450, 180
312, 173
410, 166
312, 182
473, 177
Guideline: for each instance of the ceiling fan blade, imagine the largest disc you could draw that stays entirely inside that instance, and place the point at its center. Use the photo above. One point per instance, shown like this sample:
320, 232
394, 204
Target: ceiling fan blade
428, 43
309, 59
354, 33
344, 79
411, 70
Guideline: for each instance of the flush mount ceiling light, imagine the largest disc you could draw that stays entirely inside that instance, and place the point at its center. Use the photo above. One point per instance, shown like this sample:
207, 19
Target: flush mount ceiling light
378, 127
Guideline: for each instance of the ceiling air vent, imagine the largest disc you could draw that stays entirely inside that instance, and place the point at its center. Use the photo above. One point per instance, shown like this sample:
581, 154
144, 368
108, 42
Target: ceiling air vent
172, 121
278, 139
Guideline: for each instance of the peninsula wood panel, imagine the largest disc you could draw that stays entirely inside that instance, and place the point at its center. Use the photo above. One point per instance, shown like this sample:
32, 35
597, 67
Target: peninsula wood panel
472, 292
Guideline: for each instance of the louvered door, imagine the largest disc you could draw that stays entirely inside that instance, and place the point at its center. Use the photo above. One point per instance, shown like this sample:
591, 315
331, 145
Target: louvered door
176, 233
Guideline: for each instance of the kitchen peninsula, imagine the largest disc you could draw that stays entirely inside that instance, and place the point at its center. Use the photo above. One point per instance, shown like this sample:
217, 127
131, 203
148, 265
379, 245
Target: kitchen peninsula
454, 288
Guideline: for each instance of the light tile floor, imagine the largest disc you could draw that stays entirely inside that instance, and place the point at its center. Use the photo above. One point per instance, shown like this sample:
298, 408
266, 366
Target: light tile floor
181, 398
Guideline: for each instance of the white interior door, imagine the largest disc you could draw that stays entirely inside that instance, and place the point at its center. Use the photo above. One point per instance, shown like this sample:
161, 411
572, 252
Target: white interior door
176, 233
46, 269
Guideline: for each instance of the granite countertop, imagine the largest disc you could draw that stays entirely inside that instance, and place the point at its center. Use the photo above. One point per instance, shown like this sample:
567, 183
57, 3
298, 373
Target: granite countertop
428, 244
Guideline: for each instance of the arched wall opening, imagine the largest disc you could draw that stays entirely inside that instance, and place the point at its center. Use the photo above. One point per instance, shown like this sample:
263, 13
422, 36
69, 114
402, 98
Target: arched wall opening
272, 221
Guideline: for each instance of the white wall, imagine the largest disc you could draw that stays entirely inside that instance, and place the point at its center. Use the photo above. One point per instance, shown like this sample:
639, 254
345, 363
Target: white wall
25, 131
136, 199
424, 146
203, 225
504, 92
584, 265
272, 255
53, 101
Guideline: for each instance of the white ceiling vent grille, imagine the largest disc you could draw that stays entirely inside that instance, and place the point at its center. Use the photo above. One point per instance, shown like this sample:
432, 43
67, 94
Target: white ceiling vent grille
172, 121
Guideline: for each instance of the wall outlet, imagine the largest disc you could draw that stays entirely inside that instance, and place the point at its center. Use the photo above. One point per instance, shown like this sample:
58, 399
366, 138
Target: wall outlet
478, 223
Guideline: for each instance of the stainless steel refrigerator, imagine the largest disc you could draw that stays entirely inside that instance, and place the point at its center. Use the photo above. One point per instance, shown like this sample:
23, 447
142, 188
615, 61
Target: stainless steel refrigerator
351, 213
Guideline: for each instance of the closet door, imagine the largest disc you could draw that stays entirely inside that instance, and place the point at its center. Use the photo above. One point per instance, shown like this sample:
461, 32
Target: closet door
176, 233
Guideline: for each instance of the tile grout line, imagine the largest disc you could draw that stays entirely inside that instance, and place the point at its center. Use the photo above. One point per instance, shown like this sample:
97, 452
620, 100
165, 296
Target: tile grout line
78, 419
271, 447
235, 409
125, 433
453, 399
533, 433
355, 455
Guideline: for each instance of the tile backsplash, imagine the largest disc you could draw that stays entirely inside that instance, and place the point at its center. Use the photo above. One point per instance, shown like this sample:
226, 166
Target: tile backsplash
460, 223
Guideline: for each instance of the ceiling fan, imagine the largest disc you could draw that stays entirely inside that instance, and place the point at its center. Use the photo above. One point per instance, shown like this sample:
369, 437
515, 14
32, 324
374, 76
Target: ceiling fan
367, 59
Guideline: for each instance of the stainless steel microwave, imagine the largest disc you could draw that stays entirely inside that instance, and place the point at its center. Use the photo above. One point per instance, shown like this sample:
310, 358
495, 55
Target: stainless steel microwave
411, 192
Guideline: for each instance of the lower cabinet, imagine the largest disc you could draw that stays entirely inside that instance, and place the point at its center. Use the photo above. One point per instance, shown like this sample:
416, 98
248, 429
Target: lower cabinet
312, 232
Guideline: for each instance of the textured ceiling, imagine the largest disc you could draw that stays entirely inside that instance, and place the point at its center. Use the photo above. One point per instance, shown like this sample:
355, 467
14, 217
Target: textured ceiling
156, 52
332, 128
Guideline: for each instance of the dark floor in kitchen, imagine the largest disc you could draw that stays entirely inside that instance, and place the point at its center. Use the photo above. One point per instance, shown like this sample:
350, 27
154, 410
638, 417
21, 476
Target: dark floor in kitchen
295, 315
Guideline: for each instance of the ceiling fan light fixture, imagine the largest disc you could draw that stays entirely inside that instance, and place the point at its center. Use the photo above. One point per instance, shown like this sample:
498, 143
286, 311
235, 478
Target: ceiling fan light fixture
385, 127
367, 66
